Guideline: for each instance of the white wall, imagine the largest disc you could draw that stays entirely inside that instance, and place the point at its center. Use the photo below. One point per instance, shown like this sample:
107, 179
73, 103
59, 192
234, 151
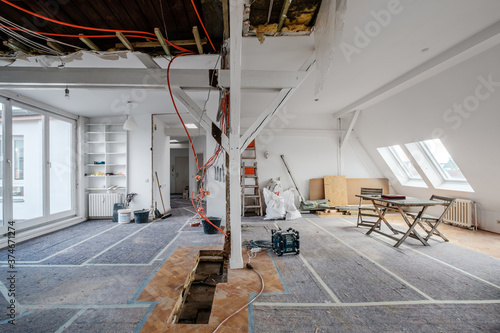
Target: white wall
161, 164
216, 201
139, 163
309, 154
430, 110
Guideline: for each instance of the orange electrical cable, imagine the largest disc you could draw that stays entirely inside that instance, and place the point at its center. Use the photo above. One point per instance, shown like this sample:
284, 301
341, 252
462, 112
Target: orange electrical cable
73, 25
202, 25
91, 28
175, 107
205, 217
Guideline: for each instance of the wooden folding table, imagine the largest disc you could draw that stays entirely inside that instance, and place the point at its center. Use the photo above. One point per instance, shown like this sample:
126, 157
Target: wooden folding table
382, 206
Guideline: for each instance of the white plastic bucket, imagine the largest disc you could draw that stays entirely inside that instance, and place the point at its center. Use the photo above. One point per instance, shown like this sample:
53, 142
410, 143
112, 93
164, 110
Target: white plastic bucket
124, 215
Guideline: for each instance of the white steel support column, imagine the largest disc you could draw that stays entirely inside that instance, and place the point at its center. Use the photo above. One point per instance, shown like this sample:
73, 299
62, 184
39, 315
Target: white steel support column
236, 23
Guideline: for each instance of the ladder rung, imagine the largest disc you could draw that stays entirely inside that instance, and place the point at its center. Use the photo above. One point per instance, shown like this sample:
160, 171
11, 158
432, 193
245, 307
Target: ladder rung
252, 196
249, 176
251, 186
252, 206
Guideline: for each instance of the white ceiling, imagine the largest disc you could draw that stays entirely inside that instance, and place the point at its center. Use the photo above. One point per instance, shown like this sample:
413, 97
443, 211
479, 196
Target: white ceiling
394, 50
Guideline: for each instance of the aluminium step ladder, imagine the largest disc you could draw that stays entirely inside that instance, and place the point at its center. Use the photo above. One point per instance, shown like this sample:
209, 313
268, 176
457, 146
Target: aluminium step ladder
251, 200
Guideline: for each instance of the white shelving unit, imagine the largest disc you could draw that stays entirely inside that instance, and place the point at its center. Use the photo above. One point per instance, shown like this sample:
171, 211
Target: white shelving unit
106, 158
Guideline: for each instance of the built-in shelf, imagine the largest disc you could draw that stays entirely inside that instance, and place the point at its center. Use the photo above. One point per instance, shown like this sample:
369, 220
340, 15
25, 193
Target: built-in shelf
106, 143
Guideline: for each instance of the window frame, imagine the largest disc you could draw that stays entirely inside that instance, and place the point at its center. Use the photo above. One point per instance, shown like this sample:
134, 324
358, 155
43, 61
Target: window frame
433, 170
401, 163
430, 156
397, 169
8, 139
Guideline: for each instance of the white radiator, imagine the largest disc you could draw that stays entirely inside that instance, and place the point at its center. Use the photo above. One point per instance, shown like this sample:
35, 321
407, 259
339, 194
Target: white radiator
101, 204
462, 213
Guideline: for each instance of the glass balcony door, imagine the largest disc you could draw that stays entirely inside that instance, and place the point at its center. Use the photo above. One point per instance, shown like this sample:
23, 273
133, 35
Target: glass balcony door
37, 166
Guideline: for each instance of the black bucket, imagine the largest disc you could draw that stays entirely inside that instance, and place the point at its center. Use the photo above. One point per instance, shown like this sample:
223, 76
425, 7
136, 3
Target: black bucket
116, 208
141, 216
210, 229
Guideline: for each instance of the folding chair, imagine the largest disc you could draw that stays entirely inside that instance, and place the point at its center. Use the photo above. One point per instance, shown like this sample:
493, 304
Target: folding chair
432, 221
365, 210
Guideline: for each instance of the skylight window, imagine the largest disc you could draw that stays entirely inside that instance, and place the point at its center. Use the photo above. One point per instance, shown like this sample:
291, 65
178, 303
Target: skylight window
404, 162
401, 166
438, 165
442, 160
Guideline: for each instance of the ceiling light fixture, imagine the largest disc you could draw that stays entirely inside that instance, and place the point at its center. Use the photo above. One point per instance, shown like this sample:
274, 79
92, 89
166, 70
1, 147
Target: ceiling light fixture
190, 125
66, 93
130, 123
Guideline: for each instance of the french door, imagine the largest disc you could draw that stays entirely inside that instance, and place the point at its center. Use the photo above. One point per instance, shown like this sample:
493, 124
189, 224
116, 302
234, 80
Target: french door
37, 165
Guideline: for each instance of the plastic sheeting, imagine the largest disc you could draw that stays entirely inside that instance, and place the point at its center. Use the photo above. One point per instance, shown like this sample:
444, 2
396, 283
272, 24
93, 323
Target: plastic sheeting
280, 206
327, 32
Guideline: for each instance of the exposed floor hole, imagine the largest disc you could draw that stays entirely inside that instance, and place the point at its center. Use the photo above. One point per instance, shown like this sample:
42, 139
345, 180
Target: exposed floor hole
198, 295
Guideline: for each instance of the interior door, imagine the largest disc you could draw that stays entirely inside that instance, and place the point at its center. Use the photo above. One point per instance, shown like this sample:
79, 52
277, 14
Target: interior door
181, 173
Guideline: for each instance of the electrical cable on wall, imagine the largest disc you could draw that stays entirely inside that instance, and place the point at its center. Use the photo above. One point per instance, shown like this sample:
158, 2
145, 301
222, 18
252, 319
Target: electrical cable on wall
211, 161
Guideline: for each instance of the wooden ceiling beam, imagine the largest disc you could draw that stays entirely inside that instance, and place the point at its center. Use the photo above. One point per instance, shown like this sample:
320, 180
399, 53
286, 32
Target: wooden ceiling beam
225, 14
55, 47
196, 35
16, 46
162, 42
124, 40
89, 43
284, 11
180, 42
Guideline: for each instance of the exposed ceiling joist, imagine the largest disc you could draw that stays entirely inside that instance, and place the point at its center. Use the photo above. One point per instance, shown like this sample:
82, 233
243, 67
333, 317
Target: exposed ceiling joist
13, 45
124, 40
284, 11
455, 55
55, 46
89, 43
197, 38
181, 42
163, 44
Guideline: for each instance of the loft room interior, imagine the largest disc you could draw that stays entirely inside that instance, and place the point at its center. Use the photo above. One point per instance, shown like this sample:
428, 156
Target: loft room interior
127, 125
